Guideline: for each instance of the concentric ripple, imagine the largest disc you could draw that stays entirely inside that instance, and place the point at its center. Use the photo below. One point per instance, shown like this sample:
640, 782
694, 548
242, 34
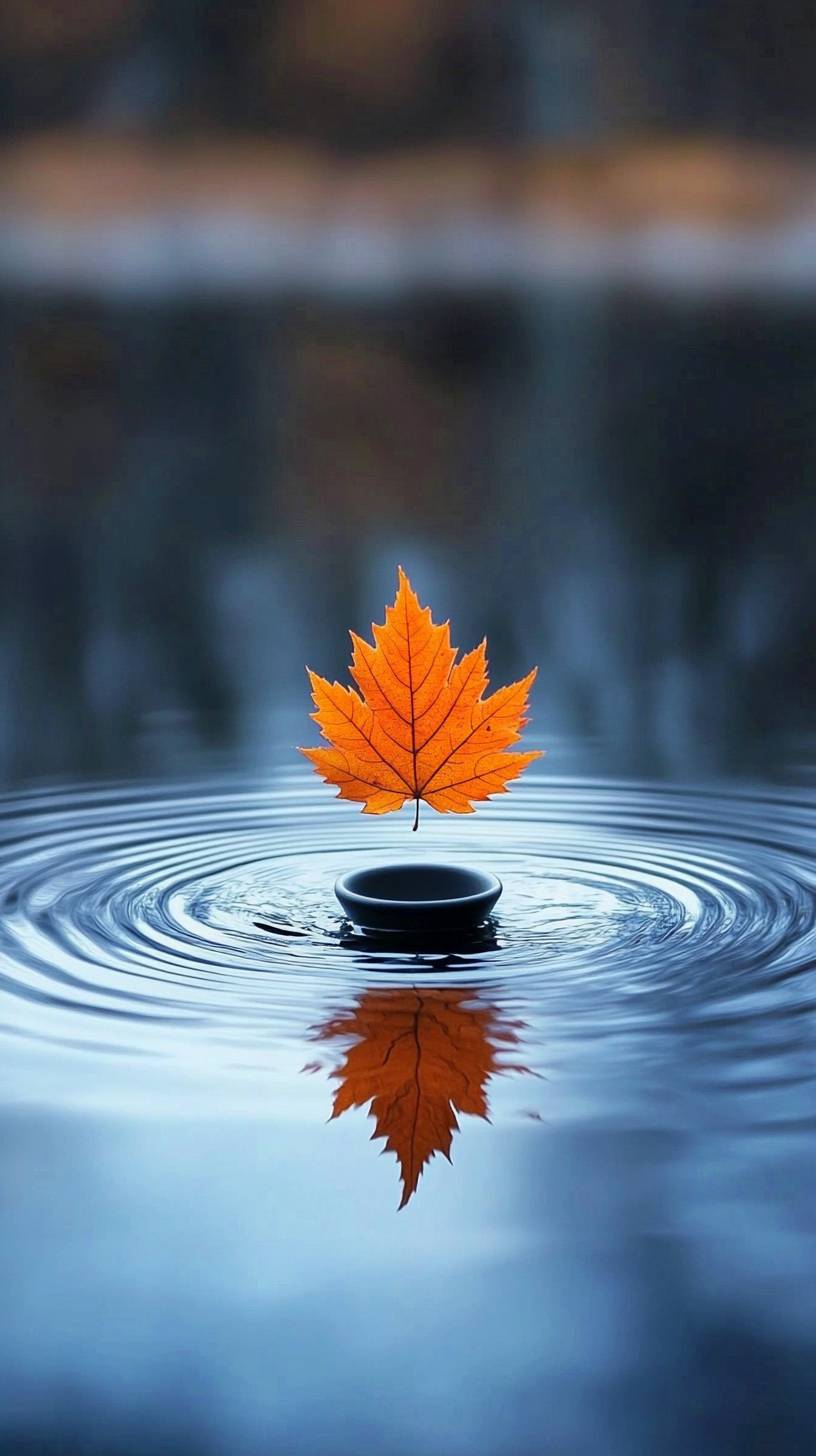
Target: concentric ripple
141, 919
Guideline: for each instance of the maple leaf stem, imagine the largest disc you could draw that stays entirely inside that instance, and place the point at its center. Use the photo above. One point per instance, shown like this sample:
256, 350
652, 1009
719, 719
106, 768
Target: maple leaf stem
416, 816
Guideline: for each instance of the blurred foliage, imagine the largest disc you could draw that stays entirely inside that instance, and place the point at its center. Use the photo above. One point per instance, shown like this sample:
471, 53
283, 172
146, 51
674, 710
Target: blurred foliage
613, 483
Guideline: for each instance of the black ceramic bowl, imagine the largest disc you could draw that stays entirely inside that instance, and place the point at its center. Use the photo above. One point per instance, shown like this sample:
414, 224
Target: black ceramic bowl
418, 898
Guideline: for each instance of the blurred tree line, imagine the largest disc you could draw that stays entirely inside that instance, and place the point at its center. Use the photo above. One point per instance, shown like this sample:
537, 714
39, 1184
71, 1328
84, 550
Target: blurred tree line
375, 75
197, 494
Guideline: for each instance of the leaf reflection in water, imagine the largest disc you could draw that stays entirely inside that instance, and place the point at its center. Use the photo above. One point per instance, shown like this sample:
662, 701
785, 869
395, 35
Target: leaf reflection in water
418, 1056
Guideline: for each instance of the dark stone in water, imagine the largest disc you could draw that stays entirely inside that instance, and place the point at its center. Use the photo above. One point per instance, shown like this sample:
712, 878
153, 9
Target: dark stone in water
418, 898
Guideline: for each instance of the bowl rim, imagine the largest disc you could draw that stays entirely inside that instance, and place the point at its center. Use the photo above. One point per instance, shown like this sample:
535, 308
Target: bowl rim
492, 885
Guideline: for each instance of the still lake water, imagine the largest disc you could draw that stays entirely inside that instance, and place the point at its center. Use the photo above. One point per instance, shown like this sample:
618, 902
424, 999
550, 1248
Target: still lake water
197, 1256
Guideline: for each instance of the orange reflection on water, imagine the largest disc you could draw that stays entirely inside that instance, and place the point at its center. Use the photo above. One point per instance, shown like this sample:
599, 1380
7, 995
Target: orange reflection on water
418, 1057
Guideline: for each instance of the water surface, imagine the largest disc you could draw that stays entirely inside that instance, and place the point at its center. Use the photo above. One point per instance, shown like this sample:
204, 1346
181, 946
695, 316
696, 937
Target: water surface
199, 1243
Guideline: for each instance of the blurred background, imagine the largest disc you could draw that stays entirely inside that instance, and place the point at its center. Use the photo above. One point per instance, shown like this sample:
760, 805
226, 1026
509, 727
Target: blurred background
519, 295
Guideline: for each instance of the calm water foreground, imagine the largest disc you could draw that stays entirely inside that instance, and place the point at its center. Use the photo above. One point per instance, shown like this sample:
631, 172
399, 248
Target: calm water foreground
201, 1249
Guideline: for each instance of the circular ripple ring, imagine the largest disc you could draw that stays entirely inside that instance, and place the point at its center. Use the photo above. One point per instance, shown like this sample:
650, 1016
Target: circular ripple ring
140, 919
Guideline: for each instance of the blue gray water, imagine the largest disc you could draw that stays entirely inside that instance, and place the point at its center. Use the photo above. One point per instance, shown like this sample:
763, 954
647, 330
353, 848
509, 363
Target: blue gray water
620, 1254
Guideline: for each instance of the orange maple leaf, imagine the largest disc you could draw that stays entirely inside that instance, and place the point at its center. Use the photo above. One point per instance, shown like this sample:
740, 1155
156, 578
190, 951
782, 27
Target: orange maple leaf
420, 727
418, 1056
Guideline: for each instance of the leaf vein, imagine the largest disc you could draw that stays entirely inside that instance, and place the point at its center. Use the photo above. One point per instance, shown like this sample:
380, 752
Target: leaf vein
443, 721
350, 719
459, 746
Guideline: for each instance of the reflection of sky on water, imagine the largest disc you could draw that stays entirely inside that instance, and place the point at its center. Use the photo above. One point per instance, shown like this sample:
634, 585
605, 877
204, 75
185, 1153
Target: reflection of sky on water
242, 1286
